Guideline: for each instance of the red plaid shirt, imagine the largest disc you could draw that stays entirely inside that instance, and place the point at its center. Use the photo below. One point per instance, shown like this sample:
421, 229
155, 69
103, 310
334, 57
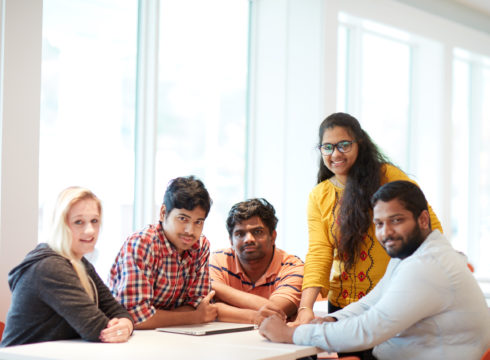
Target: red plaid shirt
149, 274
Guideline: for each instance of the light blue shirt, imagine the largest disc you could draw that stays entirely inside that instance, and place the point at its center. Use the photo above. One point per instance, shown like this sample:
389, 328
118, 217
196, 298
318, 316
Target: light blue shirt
427, 306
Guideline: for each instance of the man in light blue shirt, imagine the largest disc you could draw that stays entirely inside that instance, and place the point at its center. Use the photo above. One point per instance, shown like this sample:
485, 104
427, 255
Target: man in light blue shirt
427, 306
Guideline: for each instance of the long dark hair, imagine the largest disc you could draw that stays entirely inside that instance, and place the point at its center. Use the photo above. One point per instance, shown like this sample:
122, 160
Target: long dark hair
364, 178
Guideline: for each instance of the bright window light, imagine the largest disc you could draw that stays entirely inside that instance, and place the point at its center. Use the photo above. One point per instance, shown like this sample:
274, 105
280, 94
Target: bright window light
483, 269
87, 111
460, 155
385, 95
202, 102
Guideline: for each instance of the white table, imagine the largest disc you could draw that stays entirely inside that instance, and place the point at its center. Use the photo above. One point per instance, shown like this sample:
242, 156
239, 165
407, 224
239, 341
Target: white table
152, 344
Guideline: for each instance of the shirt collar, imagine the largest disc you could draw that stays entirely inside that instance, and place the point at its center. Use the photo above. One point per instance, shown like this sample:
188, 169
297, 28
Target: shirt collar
267, 276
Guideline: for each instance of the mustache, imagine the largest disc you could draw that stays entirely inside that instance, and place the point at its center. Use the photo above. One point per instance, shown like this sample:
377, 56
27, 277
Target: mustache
188, 235
388, 238
243, 247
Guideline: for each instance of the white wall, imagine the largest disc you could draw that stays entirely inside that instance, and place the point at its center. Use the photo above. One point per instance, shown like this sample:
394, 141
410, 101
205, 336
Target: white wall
287, 104
20, 74
454, 10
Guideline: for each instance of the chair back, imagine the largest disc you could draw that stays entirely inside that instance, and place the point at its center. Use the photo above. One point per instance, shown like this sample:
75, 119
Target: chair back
486, 356
2, 326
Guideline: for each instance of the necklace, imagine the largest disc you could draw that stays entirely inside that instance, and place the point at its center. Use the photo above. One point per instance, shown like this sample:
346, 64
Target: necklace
337, 182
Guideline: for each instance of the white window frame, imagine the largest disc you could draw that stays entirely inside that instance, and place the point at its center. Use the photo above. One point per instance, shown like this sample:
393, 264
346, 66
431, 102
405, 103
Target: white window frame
146, 112
20, 84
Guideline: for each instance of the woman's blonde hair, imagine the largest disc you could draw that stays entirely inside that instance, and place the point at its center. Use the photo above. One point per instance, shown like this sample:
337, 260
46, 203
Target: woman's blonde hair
60, 237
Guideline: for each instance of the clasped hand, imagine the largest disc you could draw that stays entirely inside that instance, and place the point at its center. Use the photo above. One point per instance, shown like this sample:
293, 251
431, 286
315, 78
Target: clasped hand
206, 310
117, 330
268, 310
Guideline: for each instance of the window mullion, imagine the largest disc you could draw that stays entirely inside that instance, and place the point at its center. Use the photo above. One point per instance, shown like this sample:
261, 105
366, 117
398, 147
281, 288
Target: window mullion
146, 112
475, 113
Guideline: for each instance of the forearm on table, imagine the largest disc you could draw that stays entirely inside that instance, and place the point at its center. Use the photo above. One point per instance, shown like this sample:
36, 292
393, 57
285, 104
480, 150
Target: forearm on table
230, 313
182, 315
183, 308
238, 298
286, 305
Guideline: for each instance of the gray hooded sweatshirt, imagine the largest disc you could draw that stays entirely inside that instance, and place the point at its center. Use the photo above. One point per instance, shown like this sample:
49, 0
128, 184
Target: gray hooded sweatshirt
49, 302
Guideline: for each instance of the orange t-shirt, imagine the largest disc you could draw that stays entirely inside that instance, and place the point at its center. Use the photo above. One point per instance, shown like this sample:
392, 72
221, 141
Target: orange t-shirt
283, 277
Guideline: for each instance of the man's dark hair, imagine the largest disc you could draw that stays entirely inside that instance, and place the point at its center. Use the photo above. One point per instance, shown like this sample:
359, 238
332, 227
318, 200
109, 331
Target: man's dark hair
407, 193
247, 209
186, 193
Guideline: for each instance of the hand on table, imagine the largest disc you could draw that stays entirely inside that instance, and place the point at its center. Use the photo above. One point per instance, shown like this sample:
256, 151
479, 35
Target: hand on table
206, 311
267, 310
117, 330
275, 329
305, 316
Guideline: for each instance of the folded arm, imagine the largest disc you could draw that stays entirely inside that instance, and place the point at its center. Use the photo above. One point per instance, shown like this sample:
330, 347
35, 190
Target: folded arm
205, 312
240, 306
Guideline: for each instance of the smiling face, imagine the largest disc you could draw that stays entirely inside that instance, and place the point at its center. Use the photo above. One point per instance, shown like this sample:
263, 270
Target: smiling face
183, 227
83, 220
252, 241
339, 163
397, 230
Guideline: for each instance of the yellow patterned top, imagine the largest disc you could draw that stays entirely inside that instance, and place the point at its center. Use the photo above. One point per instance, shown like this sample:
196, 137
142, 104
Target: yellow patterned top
323, 267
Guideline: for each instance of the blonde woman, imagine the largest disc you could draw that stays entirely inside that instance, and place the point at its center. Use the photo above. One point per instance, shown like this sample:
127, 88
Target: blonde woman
56, 292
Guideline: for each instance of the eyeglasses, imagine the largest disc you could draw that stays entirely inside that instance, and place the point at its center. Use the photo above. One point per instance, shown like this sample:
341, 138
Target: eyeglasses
342, 146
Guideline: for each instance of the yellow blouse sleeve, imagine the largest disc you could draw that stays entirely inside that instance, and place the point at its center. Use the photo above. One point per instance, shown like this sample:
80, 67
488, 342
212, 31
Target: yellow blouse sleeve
320, 254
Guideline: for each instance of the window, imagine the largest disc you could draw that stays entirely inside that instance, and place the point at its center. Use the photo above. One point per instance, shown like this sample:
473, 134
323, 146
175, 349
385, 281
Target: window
89, 89
202, 102
375, 64
460, 155
344, 35
483, 269
87, 111
396, 82
471, 157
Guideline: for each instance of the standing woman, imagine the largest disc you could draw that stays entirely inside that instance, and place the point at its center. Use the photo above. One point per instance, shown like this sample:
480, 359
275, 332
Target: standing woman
345, 261
56, 292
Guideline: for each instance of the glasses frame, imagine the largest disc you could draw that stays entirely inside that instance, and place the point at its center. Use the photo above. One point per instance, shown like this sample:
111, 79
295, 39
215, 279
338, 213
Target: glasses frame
339, 146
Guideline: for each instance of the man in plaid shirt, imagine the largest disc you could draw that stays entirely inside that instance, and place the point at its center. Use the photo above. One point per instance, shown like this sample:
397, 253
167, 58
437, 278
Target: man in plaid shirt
161, 272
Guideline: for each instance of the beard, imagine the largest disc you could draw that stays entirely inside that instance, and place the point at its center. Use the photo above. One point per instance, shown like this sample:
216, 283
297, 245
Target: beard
409, 244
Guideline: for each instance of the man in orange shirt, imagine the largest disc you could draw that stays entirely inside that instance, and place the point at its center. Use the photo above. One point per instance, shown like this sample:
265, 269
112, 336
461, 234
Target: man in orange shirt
253, 279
